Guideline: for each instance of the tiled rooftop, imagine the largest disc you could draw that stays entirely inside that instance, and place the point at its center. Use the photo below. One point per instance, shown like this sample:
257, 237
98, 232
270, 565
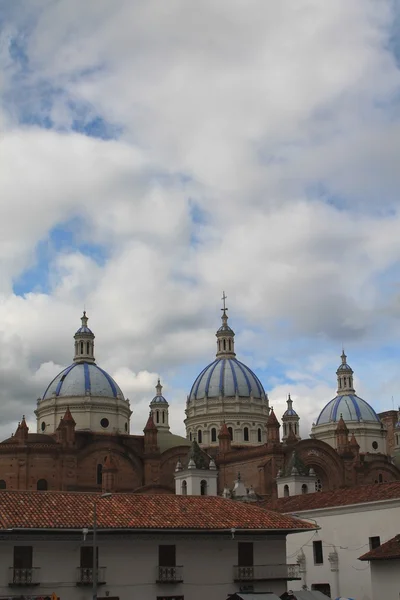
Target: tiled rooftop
340, 497
387, 551
73, 510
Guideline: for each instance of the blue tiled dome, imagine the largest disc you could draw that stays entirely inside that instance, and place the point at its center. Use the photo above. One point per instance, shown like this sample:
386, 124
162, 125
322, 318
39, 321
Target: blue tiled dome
290, 413
159, 400
226, 377
81, 378
351, 407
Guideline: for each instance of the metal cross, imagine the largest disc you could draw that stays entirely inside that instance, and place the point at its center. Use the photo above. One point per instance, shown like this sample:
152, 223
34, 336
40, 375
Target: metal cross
224, 297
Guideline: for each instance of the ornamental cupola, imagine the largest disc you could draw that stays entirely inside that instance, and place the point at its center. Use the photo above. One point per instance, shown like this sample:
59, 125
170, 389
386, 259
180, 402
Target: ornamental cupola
225, 335
159, 409
290, 420
344, 377
84, 342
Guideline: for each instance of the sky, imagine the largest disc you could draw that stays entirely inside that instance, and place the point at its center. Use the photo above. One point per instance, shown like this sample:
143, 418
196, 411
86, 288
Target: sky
154, 154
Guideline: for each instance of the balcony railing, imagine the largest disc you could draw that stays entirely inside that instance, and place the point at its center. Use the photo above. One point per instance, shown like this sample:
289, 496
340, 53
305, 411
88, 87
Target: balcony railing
84, 576
23, 577
266, 572
169, 574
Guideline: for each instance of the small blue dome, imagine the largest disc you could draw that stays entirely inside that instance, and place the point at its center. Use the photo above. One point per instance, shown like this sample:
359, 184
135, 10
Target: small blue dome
290, 413
84, 330
351, 407
83, 378
159, 400
226, 377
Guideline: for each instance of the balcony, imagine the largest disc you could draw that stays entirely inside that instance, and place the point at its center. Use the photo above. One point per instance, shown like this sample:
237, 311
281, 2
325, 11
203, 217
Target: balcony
266, 572
169, 574
84, 576
23, 577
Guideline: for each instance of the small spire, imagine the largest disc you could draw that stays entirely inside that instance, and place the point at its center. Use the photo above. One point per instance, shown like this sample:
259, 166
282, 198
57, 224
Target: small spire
224, 297
353, 441
84, 319
341, 426
343, 357
289, 402
68, 418
150, 425
225, 335
23, 424
272, 421
159, 388
224, 432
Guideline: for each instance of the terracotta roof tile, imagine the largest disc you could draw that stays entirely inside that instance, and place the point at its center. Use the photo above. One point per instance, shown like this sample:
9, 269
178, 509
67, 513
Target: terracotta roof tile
272, 421
150, 425
387, 551
340, 497
74, 510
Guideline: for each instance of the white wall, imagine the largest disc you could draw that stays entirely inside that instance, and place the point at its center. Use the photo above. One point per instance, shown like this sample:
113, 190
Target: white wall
132, 560
347, 530
385, 576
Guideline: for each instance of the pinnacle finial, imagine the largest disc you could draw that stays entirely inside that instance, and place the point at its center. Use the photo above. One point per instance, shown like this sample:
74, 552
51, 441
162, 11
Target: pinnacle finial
159, 388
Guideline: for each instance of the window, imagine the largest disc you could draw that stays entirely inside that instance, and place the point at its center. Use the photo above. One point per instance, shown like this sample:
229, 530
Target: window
163, 416
245, 554
200, 436
284, 429
224, 344
213, 434
23, 557
167, 555
203, 487
324, 588
3, 485
318, 553
158, 416
86, 561
41, 485
259, 438
304, 489
246, 434
87, 347
230, 347
286, 491
380, 478
318, 485
104, 423
81, 347
184, 488
99, 474
374, 542
190, 436
230, 432
375, 445
43, 426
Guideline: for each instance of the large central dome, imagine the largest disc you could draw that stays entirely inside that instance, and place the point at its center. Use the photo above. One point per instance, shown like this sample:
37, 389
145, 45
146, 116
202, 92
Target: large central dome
226, 377
227, 391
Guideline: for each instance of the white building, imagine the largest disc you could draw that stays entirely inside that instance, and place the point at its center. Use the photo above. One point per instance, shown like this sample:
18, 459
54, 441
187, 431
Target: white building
352, 521
385, 569
148, 547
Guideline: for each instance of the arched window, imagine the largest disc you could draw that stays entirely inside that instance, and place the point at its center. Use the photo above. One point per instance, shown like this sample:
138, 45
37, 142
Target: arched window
259, 438
344, 381
190, 436
41, 485
81, 347
246, 434
87, 348
230, 346
203, 487
224, 344
163, 416
184, 488
304, 489
99, 474
157, 416
284, 429
213, 434
200, 436
380, 478
230, 432
3, 485
290, 427
286, 491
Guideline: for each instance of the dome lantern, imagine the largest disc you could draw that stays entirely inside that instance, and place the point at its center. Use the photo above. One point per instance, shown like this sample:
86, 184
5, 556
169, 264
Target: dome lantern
344, 377
159, 408
225, 335
84, 342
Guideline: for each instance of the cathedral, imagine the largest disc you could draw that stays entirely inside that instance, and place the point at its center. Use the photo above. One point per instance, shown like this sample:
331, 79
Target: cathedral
83, 440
